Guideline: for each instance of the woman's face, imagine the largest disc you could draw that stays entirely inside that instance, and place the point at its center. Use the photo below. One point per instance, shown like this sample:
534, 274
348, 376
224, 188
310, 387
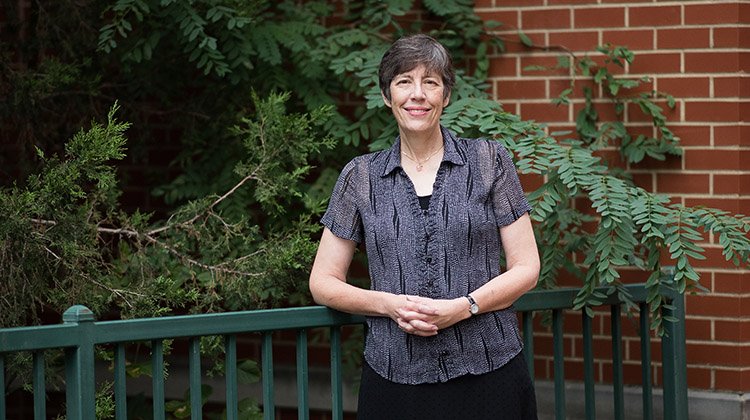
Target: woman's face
417, 100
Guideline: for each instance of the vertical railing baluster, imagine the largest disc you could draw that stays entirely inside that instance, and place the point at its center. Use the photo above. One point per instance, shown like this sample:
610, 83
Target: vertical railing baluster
648, 409
2, 386
121, 408
559, 363
303, 412
194, 369
527, 319
157, 372
337, 402
588, 366
617, 379
230, 367
267, 367
674, 362
40, 391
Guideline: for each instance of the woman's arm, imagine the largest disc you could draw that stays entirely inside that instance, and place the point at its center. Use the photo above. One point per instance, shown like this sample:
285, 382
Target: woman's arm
522, 272
329, 287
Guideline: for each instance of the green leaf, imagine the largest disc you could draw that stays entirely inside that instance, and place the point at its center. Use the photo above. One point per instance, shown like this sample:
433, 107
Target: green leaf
525, 40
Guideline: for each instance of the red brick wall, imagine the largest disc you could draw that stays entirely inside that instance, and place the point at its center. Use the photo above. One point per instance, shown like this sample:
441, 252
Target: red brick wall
698, 52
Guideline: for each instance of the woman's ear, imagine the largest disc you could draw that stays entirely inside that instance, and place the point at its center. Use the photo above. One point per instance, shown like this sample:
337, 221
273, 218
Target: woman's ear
385, 100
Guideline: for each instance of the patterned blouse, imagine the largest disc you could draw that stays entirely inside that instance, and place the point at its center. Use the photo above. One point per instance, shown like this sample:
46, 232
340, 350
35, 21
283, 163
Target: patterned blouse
447, 251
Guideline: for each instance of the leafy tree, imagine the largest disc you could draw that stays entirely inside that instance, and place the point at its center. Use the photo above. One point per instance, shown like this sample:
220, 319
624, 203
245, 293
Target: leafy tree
196, 65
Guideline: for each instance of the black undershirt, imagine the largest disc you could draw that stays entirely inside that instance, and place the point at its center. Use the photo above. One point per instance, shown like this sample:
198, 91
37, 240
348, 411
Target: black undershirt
424, 201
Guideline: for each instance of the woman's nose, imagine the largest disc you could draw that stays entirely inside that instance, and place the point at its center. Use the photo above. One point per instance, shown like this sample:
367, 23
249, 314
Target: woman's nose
418, 91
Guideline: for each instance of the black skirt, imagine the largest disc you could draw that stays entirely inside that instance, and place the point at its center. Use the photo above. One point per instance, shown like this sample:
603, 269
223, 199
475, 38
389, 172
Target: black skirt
505, 393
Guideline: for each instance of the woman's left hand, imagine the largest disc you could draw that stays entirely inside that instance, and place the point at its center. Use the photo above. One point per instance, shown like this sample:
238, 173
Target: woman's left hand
426, 313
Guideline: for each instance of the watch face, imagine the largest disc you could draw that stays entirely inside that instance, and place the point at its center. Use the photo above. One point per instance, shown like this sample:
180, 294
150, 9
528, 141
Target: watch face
474, 308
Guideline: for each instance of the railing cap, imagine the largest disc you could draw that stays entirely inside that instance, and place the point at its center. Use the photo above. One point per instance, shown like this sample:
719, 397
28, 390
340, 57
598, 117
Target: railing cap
77, 313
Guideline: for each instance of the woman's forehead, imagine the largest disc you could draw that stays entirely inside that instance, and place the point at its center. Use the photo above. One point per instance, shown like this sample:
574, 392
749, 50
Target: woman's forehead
420, 68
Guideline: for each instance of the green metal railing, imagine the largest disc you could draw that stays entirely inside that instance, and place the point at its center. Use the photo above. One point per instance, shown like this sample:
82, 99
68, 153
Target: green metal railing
80, 333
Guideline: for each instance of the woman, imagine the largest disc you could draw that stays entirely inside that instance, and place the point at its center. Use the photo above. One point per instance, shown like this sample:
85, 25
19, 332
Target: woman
435, 213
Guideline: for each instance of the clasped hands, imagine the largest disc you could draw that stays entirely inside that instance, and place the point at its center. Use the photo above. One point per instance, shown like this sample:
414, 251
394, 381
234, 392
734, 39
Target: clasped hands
425, 317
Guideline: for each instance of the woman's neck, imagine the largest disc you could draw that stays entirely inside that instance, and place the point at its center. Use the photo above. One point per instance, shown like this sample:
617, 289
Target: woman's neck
420, 145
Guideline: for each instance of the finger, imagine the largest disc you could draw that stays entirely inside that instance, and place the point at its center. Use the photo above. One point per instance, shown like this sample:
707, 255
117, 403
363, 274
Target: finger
410, 315
420, 325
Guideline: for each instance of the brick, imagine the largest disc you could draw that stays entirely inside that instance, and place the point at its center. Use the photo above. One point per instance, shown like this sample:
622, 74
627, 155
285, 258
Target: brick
683, 38
712, 62
731, 135
654, 16
699, 377
483, 3
714, 259
556, 86
734, 330
685, 87
634, 39
730, 205
599, 17
503, 66
731, 283
697, 329
731, 184
531, 182
579, 2
575, 41
545, 19
678, 183
734, 380
544, 112
731, 87
714, 111
692, 135
726, 355
503, 3
509, 18
731, 37
544, 61
521, 89
611, 158
605, 110
513, 42
711, 159
703, 14
636, 114
644, 180
650, 63
671, 162
644, 86
712, 305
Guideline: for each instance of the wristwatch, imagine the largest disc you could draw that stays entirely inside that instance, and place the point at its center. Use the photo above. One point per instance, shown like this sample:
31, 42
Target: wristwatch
473, 308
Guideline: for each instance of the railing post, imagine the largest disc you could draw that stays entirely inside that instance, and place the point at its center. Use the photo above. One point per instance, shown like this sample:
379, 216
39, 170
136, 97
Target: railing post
674, 361
79, 365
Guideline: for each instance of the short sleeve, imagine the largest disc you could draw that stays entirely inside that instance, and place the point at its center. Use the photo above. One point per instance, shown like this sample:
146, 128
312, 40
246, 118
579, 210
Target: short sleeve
508, 199
342, 217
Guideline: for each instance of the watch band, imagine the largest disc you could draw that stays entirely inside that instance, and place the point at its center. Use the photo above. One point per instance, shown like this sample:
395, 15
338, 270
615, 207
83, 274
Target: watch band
473, 307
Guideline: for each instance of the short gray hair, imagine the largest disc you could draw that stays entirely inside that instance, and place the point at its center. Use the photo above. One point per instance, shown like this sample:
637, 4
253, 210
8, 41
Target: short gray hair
410, 52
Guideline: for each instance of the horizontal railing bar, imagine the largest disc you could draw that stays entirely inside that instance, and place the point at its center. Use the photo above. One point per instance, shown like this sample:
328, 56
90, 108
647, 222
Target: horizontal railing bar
38, 337
539, 300
146, 329
221, 324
